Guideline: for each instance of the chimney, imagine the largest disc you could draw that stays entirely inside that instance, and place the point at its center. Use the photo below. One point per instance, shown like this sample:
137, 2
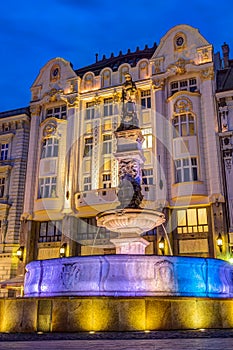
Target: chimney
225, 51
96, 57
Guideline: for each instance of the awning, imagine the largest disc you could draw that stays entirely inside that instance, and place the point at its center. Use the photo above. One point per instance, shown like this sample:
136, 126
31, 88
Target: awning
16, 282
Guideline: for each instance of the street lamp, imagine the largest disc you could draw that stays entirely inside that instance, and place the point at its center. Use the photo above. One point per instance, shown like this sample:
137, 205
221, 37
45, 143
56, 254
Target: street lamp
219, 242
19, 253
62, 250
162, 245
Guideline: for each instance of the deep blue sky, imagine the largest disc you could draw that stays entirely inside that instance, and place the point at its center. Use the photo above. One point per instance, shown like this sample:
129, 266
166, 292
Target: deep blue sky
33, 32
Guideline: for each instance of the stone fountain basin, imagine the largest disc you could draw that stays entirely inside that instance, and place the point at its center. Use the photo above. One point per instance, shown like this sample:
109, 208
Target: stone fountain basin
129, 275
130, 221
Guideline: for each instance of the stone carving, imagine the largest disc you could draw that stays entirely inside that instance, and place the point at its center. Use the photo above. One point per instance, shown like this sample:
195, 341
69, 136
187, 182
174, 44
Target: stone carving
157, 84
164, 276
50, 129
129, 193
207, 74
182, 105
179, 65
69, 275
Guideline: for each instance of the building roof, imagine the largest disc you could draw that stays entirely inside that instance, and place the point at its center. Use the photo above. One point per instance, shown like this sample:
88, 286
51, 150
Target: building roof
13, 112
114, 62
224, 78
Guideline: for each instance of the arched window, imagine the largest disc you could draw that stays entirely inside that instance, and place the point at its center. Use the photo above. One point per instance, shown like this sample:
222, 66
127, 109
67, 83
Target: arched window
106, 78
143, 70
88, 81
123, 71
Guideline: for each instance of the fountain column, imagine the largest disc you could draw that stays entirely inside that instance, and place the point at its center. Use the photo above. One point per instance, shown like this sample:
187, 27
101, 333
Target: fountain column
129, 219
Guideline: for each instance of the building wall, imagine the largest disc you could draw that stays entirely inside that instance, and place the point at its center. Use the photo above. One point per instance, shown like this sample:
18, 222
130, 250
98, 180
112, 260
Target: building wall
14, 138
72, 173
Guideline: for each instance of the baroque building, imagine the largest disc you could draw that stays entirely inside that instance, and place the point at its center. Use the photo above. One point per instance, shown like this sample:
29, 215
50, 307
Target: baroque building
72, 173
14, 140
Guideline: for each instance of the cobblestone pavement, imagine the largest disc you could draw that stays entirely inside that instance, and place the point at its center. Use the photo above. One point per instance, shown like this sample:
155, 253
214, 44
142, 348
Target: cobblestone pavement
159, 340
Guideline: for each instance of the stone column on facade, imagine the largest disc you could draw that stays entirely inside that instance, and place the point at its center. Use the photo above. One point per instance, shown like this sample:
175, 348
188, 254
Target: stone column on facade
32, 160
161, 142
212, 154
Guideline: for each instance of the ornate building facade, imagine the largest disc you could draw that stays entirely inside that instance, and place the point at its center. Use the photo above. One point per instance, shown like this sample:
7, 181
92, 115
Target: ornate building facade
72, 173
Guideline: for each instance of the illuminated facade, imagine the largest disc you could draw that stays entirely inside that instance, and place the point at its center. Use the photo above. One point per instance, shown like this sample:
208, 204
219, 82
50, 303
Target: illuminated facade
72, 173
14, 140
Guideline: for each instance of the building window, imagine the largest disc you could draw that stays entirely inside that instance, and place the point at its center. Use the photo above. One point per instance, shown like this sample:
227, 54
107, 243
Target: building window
47, 187
147, 177
49, 148
146, 99
107, 144
184, 125
192, 220
87, 183
56, 112
90, 111
147, 134
183, 85
50, 231
88, 145
4, 151
108, 107
106, 78
186, 170
106, 180
2, 186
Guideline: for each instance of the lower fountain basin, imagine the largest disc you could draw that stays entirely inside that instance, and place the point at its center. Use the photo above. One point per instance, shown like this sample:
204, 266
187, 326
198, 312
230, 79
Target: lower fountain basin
129, 275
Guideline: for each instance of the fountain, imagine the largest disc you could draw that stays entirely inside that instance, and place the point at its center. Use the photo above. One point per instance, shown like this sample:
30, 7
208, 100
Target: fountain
130, 274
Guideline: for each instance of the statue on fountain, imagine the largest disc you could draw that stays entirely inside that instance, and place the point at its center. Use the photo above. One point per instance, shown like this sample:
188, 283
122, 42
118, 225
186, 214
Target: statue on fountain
129, 191
129, 118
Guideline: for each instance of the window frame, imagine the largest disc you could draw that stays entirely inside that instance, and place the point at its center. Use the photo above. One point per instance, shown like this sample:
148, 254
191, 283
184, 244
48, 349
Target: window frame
47, 187
186, 169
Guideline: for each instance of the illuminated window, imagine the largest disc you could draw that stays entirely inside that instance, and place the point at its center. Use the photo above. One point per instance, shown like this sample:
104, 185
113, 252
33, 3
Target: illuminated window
183, 85
192, 220
88, 146
186, 170
56, 112
2, 186
47, 187
184, 125
147, 177
147, 134
107, 144
50, 231
87, 183
146, 99
90, 111
106, 180
4, 151
108, 107
50, 148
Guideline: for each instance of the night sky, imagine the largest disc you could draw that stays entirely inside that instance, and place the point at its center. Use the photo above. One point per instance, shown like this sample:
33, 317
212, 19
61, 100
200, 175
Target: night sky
33, 32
